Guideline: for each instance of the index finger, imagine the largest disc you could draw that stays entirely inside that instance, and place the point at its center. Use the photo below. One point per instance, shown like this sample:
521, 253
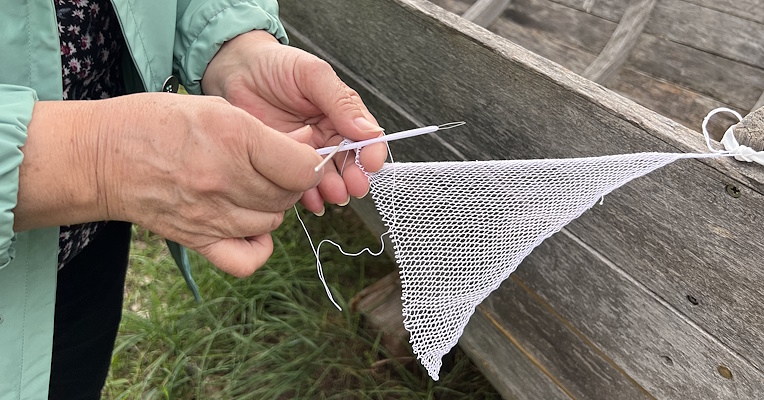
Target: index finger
282, 160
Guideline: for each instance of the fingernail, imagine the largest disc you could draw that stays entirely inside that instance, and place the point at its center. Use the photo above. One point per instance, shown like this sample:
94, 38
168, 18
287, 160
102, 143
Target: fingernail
366, 125
345, 203
320, 213
300, 130
364, 195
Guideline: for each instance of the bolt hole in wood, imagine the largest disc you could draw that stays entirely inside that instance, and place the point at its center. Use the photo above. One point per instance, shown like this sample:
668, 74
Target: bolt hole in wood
667, 360
692, 300
724, 372
732, 190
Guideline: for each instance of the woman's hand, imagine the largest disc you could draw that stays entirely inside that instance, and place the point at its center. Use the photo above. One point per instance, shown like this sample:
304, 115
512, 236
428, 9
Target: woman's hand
287, 88
193, 169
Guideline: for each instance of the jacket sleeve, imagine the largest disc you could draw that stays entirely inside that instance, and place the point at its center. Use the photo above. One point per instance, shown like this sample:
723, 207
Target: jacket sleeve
16, 104
203, 26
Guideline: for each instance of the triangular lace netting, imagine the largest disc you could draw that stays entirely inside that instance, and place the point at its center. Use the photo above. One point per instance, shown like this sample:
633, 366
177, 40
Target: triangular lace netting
460, 228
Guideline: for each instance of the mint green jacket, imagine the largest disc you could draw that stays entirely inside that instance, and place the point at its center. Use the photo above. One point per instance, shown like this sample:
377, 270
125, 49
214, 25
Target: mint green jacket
163, 37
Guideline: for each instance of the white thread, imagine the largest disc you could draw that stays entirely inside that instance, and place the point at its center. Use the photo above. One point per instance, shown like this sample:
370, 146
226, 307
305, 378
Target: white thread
317, 251
730, 143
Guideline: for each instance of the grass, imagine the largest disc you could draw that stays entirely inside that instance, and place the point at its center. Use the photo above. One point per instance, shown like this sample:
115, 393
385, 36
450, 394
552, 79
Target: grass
274, 335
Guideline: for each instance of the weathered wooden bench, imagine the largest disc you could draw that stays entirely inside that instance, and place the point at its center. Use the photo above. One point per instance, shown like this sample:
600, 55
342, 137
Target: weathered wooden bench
680, 58
655, 294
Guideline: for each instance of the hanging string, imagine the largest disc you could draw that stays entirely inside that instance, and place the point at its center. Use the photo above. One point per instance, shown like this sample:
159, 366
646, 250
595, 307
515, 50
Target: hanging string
317, 251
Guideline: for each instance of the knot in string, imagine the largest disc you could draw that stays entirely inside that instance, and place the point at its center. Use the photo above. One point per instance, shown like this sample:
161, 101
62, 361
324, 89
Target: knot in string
730, 143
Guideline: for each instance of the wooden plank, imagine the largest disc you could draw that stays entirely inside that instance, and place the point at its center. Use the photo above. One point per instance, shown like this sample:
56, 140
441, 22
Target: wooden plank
524, 106
458, 7
571, 27
750, 131
680, 104
380, 304
533, 25
648, 339
622, 42
485, 12
505, 365
729, 82
730, 28
693, 239
709, 30
759, 103
612, 10
566, 357
751, 10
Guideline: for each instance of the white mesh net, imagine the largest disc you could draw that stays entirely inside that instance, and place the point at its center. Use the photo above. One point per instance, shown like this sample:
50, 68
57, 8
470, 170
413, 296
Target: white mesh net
460, 228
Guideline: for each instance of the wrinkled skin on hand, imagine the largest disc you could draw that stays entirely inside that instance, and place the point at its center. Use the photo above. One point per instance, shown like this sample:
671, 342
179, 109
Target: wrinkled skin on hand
287, 88
203, 173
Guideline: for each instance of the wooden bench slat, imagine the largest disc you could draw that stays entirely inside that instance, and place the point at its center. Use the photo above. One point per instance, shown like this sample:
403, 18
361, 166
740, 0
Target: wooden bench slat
612, 10
485, 12
622, 42
629, 324
551, 343
709, 30
508, 369
575, 44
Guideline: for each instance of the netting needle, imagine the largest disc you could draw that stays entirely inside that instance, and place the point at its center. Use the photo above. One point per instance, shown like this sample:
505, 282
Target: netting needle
350, 145
329, 157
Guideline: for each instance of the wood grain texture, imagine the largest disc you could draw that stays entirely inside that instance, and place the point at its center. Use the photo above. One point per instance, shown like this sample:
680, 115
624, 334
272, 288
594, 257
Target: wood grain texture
649, 340
622, 42
751, 10
485, 12
759, 103
729, 82
709, 30
750, 131
612, 10
683, 105
569, 359
506, 366
520, 105
545, 28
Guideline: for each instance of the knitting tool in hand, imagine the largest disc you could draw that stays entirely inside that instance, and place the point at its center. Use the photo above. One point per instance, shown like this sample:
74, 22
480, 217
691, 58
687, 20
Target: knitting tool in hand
350, 145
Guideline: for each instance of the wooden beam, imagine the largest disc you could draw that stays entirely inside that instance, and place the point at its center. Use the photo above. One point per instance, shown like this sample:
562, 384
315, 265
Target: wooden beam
759, 103
485, 12
750, 131
622, 42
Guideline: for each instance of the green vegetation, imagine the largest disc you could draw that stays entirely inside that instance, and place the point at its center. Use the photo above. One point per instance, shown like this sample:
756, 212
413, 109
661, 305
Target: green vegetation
274, 335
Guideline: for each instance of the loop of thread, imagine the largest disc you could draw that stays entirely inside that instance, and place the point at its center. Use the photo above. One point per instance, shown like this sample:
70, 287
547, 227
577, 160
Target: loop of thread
730, 143
317, 251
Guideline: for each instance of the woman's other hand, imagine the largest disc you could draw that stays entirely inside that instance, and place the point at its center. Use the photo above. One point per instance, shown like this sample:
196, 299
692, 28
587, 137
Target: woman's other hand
287, 88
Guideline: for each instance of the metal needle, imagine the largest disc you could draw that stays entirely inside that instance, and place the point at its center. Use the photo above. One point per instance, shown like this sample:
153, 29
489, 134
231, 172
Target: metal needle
329, 157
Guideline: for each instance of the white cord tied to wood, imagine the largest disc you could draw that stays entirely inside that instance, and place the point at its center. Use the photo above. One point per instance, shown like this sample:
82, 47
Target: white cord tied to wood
730, 143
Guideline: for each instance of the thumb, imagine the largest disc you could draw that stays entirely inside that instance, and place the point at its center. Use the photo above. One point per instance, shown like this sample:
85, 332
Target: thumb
240, 257
321, 86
